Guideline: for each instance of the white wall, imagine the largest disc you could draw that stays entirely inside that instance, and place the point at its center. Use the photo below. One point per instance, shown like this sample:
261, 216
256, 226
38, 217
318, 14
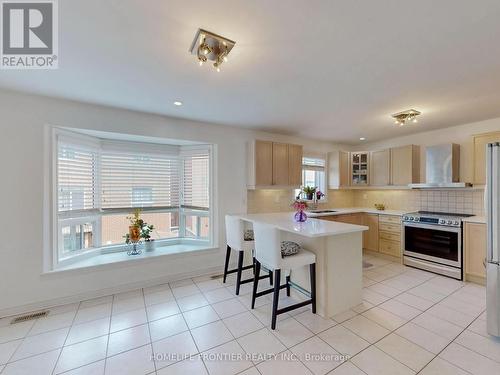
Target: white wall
461, 135
22, 284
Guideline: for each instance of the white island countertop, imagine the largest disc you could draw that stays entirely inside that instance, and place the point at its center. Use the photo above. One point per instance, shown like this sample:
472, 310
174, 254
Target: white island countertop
311, 228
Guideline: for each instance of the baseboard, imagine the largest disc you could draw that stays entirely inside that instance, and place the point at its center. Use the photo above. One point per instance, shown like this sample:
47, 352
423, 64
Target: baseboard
42, 305
475, 279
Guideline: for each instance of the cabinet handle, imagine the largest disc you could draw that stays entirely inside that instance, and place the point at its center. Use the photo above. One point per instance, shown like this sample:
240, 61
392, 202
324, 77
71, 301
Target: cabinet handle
484, 263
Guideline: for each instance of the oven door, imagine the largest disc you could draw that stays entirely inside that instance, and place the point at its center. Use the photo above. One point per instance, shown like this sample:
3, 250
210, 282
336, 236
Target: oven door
434, 243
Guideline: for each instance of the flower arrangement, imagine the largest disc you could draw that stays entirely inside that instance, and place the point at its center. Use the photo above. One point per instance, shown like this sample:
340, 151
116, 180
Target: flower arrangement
319, 195
299, 206
138, 229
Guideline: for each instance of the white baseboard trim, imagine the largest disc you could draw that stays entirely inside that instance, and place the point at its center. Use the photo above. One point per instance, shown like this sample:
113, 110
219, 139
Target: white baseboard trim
42, 305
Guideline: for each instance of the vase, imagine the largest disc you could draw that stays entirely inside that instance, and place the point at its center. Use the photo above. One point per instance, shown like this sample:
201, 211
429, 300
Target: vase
300, 216
149, 245
134, 233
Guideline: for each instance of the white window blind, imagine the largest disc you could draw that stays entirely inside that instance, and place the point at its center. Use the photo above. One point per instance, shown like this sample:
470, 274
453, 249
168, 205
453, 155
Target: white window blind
138, 179
76, 177
196, 181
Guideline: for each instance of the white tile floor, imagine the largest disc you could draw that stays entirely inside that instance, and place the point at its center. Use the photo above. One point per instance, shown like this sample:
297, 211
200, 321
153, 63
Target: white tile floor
409, 322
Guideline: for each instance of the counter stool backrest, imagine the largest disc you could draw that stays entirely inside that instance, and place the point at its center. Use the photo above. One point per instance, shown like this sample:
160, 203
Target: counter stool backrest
267, 245
235, 231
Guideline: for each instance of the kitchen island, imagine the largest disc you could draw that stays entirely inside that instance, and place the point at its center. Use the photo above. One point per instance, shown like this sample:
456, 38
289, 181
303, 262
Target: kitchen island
338, 249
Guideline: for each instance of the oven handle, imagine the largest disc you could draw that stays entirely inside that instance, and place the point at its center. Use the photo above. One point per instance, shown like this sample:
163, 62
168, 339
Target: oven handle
435, 227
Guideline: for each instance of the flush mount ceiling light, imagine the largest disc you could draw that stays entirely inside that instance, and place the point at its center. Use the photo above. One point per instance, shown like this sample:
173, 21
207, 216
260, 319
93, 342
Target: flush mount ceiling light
208, 46
401, 118
177, 103
362, 138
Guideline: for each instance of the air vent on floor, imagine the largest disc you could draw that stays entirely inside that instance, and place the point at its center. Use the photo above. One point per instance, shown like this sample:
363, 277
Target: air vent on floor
32, 316
215, 277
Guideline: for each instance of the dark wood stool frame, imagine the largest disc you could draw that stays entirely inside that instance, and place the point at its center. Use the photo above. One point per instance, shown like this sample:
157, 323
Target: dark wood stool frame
276, 291
239, 269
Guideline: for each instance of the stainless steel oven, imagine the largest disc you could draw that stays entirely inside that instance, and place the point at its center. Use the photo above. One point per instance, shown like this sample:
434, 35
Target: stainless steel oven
433, 242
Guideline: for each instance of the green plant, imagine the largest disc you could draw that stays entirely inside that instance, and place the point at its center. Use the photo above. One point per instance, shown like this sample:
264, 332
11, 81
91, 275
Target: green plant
137, 222
309, 189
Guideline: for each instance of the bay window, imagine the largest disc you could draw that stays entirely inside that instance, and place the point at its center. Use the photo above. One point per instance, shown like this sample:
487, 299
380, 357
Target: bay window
100, 182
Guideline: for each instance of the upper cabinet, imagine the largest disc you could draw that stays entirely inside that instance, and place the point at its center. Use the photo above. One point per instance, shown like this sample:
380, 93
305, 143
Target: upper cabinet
272, 164
359, 168
405, 165
338, 169
380, 168
480, 141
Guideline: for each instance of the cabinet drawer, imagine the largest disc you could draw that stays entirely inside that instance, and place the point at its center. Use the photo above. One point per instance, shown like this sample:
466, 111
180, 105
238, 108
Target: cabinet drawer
394, 228
389, 236
390, 247
391, 219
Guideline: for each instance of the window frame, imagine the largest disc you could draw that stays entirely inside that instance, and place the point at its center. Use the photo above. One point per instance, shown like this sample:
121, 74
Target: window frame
94, 216
324, 169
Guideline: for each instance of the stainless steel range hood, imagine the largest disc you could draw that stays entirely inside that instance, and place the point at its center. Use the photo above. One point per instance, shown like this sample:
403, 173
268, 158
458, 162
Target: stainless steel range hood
442, 168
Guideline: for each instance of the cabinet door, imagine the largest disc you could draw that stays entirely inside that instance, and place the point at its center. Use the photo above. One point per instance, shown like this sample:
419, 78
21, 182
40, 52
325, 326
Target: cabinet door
344, 168
263, 163
475, 249
359, 168
294, 165
405, 165
370, 237
380, 162
280, 164
480, 142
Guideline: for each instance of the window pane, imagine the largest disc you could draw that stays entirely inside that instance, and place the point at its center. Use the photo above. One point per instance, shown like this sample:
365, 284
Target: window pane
115, 227
77, 237
197, 226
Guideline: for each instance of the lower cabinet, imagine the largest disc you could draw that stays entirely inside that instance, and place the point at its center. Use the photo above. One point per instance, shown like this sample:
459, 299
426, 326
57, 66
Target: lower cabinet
389, 232
371, 236
475, 252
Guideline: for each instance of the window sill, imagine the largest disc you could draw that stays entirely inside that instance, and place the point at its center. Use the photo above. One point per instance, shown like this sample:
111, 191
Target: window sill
111, 258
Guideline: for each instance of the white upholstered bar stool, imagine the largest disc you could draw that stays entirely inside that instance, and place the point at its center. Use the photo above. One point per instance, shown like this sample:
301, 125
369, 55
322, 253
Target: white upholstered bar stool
268, 254
235, 239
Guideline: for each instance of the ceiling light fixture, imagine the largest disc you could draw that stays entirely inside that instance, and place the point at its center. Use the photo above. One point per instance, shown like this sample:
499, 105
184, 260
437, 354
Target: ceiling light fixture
177, 103
209, 46
362, 138
410, 115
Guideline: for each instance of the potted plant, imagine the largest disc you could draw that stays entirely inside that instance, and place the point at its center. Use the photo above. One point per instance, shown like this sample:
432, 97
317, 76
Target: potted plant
319, 195
135, 227
149, 243
309, 191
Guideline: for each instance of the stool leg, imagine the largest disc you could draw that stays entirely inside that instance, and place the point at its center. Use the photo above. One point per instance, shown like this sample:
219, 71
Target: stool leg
288, 286
226, 264
271, 278
312, 274
276, 296
238, 273
255, 282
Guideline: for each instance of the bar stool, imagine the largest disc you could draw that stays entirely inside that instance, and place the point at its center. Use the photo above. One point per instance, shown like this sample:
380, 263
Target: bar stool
268, 254
235, 230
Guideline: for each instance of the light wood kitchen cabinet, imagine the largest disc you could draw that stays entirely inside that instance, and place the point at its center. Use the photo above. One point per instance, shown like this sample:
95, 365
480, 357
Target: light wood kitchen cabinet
338, 169
273, 164
389, 232
295, 165
371, 236
405, 165
380, 167
280, 164
475, 252
263, 167
359, 167
480, 141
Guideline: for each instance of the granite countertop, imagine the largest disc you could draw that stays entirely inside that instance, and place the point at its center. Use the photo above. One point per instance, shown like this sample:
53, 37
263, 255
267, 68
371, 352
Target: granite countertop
353, 210
311, 228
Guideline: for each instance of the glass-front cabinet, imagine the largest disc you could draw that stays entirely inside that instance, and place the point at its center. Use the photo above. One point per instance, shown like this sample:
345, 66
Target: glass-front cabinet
359, 168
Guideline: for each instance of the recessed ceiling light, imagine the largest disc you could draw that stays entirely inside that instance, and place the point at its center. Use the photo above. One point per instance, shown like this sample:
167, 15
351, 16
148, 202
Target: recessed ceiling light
177, 103
362, 138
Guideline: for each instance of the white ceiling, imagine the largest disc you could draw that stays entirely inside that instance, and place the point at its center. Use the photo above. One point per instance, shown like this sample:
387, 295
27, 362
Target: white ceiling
330, 69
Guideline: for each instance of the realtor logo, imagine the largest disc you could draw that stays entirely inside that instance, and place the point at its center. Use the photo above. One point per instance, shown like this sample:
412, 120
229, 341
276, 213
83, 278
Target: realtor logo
29, 34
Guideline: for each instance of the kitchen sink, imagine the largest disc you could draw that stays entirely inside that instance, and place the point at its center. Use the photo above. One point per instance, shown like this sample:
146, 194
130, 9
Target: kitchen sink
322, 211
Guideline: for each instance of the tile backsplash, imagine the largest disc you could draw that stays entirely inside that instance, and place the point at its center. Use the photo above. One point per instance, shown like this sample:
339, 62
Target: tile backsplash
457, 201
